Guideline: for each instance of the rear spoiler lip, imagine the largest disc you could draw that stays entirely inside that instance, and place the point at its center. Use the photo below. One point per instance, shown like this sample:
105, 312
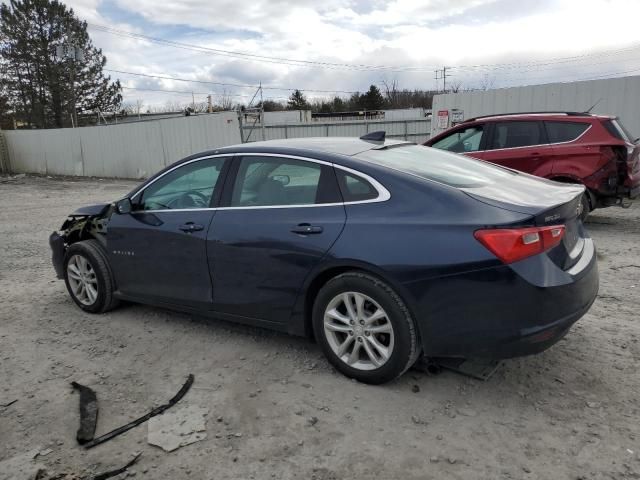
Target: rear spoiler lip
535, 211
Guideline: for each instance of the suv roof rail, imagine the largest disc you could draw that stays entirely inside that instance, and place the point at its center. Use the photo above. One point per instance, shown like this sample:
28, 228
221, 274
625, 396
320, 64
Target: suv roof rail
571, 114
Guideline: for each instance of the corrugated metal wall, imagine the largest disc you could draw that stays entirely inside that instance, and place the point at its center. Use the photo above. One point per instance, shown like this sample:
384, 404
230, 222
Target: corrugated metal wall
133, 150
406, 113
616, 96
413, 130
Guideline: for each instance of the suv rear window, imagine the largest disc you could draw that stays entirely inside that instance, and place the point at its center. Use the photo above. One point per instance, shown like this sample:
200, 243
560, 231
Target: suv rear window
516, 134
615, 128
564, 131
438, 165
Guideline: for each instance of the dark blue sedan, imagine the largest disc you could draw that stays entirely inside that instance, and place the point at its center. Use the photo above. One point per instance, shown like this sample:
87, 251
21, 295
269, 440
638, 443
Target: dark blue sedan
382, 250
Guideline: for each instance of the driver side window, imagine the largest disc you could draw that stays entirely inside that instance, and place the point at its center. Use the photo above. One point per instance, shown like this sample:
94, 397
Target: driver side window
190, 186
465, 140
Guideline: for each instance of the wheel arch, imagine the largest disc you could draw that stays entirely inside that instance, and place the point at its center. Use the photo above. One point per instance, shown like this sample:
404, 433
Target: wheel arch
301, 322
568, 178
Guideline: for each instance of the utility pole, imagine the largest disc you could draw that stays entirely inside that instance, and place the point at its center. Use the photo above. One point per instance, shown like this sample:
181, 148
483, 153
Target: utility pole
193, 103
442, 74
262, 112
209, 105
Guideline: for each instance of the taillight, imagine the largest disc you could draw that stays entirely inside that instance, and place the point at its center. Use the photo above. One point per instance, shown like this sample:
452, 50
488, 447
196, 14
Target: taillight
513, 244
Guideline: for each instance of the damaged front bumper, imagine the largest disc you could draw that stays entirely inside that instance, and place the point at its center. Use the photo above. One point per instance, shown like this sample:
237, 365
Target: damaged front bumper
56, 241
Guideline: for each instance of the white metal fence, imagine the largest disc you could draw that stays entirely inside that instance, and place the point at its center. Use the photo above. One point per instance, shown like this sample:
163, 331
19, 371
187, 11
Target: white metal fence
613, 96
133, 150
414, 130
138, 150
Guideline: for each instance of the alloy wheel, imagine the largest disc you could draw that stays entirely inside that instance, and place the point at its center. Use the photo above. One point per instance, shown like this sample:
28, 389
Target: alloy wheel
358, 331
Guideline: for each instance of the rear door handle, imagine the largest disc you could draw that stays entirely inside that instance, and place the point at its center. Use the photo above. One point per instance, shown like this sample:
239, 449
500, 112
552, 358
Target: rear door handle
306, 229
191, 227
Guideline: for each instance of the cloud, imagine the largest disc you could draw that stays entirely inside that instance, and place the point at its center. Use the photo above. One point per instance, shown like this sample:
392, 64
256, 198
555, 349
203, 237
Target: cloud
421, 34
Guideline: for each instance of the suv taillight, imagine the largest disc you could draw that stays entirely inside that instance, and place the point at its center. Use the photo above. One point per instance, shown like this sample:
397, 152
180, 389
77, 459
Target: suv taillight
513, 244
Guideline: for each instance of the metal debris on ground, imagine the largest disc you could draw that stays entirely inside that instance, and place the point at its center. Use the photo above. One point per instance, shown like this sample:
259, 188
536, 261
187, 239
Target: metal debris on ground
474, 368
117, 471
178, 428
156, 411
88, 413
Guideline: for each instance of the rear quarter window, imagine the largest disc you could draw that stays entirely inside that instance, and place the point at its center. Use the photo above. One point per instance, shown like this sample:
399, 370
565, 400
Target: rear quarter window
438, 165
559, 132
615, 128
355, 188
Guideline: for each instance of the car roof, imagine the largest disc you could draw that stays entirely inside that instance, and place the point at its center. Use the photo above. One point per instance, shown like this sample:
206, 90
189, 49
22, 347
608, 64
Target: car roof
569, 116
348, 146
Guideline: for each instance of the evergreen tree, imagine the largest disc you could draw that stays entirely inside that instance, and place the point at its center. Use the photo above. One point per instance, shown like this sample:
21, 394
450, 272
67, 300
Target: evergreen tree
297, 101
42, 90
372, 100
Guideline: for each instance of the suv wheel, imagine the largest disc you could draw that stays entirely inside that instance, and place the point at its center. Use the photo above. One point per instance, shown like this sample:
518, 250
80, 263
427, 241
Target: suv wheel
586, 206
364, 328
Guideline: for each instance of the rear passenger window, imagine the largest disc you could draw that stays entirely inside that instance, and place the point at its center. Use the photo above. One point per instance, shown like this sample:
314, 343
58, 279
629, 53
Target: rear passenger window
516, 134
355, 188
564, 131
275, 181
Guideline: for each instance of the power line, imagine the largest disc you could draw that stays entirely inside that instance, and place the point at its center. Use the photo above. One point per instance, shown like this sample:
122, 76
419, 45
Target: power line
389, 68
251, 56
189, 93
206, 82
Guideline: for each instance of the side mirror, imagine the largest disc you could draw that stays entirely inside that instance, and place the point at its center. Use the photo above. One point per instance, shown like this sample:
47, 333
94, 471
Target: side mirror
283, 179
124, 206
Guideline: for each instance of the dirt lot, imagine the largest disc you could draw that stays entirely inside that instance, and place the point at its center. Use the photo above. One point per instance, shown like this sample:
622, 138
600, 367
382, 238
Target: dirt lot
572, 412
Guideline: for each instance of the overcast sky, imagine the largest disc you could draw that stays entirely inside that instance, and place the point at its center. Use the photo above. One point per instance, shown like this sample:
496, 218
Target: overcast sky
405, 40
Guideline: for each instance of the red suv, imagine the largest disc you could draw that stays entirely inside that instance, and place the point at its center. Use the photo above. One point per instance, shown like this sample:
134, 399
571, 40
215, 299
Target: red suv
593, 150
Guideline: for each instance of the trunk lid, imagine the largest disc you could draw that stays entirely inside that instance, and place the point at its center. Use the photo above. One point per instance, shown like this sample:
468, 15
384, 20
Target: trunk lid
548, 203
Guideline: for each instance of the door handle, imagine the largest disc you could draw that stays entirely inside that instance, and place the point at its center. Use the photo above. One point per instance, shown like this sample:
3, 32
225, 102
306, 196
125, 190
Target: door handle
306, 229
191, 227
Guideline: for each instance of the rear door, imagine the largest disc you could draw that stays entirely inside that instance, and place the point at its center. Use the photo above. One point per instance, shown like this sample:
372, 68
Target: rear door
282, 215
521, 145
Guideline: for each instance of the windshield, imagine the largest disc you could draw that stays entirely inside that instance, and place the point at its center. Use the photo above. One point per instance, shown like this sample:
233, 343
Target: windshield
438, 165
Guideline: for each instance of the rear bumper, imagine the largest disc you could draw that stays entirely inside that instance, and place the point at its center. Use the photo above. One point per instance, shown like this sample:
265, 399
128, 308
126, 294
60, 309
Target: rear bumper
56, 242
505, 311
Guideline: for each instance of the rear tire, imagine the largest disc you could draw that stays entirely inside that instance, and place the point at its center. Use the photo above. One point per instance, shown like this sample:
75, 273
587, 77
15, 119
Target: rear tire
364, 328
586, 206
88, 277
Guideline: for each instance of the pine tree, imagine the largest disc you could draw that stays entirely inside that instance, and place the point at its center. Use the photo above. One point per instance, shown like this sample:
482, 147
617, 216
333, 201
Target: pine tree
42, 89
297, 101
372, 100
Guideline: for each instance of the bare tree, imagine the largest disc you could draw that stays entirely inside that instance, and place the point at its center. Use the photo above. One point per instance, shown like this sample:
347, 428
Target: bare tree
487, 83
392, 93
455, 87
225, 102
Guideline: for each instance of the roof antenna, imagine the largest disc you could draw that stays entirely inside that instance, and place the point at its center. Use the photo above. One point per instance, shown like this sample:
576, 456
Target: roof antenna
374, 136
593, 106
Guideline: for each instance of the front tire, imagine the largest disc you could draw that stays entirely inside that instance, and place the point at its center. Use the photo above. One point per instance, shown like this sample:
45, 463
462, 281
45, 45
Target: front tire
88, 277
364, 328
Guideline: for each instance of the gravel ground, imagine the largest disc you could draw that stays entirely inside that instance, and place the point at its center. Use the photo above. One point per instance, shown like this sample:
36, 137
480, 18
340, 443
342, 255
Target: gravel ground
276, 408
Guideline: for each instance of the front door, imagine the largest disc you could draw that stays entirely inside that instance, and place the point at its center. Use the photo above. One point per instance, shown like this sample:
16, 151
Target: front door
281, 218
158, 251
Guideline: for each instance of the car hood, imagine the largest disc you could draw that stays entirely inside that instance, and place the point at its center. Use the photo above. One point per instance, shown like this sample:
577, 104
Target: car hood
91, 210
